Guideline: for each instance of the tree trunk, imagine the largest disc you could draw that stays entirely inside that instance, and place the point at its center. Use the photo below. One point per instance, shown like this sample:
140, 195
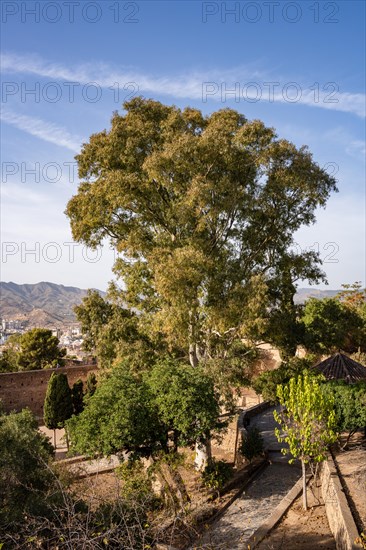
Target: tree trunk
54, 439
350, 434
304, 493
193, 355
203, 454
181, 490
193, 359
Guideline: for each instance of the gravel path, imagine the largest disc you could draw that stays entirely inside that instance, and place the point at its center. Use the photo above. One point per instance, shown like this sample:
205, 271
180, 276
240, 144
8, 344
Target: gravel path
258, 501
251, 509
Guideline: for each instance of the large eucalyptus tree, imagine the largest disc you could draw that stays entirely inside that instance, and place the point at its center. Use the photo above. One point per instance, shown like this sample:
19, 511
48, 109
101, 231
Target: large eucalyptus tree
202, 210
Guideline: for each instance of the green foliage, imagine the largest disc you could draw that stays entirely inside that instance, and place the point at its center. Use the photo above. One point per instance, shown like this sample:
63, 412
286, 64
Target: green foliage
186, 400
331, 325
137, 484
90, 385
112, 331
350, 405
133, 413
252, 444
77, 396
9, 358
285, 331
58, 406
231, 367
216, 474
25, 476
307, 418
119, 416
353, 296
266, 383
204, 209
35, 349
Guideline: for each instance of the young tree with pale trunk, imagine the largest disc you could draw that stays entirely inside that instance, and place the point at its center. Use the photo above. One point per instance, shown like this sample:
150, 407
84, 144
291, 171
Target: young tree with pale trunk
307, 420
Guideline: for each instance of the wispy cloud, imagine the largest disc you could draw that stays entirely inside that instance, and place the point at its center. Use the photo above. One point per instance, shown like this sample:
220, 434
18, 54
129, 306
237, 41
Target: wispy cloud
191, 85
47, 131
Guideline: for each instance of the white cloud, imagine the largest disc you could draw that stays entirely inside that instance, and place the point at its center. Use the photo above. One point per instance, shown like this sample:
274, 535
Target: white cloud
194, 85
47, 131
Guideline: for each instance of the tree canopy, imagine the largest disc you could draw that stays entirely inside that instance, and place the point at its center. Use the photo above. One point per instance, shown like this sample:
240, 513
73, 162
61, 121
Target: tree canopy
202, 210
186, 400
112, 331
331, 325
136, 413
120, 416
35, 349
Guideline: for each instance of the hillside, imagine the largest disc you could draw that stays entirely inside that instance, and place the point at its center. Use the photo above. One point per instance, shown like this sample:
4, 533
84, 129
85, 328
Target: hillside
42, 304
304, 294
48, 304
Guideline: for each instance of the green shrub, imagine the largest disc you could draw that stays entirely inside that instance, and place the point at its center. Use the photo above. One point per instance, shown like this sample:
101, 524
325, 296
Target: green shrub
137, 484
216, 474
252, 444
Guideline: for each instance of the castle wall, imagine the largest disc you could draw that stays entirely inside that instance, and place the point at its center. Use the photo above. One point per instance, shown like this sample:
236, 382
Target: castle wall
28, 388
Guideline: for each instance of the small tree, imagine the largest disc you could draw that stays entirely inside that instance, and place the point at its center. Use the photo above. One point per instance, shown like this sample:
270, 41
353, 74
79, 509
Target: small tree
39, 349
308, 420
58, 403
252, 444
188, 405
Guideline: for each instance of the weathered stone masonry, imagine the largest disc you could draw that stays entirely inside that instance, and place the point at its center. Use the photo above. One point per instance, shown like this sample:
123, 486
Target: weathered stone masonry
28, 389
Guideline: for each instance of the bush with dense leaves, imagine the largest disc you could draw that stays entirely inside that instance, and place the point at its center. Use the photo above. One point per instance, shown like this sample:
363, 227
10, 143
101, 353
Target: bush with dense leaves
216, 474
25, 475
252, 444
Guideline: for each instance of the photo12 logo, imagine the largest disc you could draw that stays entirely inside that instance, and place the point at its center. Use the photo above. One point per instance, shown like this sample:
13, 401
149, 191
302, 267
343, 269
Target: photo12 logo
328, 252
288, 92
50, 172
69, 11
53, 92
50, 252
269, 12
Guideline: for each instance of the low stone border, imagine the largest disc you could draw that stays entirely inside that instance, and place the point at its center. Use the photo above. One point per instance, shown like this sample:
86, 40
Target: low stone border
340, 519
276, 515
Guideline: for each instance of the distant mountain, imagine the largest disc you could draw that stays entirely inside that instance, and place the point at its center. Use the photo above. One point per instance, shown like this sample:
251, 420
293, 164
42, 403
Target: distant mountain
42, 304
50, 305
304, 294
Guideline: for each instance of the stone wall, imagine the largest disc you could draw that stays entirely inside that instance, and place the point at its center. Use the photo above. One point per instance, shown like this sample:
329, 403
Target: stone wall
28, 389
339, 515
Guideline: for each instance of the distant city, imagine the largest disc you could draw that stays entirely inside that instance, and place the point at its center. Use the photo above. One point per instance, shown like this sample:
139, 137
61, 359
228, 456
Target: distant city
70, 336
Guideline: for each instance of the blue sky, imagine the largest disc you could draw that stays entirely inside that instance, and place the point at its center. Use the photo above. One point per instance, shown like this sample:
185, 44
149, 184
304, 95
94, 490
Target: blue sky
298, 66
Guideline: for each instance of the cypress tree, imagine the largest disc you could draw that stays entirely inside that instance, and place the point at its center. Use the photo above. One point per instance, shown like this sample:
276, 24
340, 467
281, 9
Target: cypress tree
58, 403
77, 396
